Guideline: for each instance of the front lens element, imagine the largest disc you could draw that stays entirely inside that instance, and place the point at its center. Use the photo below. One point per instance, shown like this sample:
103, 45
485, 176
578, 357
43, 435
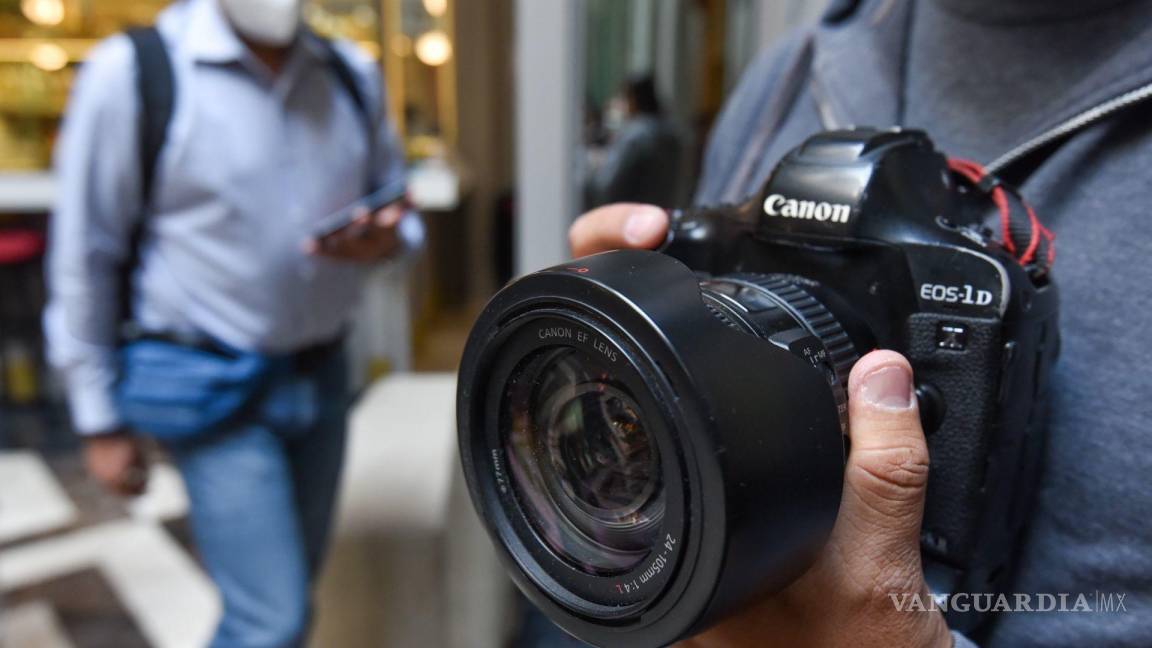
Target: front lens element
584, 467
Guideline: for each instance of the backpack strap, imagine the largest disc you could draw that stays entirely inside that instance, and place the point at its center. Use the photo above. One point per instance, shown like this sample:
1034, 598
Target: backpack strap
156, 90
156, 96
347, 78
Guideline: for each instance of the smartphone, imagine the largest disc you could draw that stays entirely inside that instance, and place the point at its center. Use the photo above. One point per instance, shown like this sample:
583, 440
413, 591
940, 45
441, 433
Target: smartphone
373, 202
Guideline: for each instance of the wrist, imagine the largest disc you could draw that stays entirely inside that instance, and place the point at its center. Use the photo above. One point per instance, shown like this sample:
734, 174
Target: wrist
110, 434
941, 636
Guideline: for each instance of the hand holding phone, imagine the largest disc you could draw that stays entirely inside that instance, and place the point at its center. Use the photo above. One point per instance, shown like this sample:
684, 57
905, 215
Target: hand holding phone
364, 231
370, 204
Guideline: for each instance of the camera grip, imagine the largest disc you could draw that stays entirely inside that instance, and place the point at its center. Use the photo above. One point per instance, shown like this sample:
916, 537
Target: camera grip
968, 379
705, 238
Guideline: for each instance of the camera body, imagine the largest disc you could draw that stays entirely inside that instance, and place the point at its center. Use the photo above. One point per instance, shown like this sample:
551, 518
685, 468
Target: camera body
900, 249
654, 438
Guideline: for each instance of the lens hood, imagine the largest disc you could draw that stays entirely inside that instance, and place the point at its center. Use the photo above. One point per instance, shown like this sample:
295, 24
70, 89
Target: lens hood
748, 434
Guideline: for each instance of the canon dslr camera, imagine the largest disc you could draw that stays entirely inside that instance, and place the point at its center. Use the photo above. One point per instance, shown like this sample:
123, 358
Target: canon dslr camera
652, 439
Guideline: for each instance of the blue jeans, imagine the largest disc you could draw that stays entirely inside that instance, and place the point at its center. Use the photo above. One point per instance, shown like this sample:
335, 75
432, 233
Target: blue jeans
261, 494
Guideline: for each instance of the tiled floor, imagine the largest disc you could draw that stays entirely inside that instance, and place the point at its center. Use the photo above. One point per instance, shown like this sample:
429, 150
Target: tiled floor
81, 604
410, 564
115, 575
81, 568
32, 502
34, 623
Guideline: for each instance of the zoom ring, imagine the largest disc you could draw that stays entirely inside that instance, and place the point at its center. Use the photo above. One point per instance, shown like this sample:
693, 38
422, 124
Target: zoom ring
841, 352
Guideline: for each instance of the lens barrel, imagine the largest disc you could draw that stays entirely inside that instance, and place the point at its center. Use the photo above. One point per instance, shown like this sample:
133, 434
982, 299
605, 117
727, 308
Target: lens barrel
649, 450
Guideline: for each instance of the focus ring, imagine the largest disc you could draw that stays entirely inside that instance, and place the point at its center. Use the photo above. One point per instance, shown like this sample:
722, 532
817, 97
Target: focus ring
719, 314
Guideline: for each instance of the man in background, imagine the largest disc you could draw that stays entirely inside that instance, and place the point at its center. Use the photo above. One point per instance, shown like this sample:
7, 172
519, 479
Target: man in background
272, 128
642, 162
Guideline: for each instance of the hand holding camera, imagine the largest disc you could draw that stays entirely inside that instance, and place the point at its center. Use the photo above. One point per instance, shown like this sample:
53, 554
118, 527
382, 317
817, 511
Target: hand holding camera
699, 443
842, 599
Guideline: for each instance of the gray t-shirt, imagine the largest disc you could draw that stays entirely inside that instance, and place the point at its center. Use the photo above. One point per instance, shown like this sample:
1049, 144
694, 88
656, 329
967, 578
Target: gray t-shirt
974, 79
982, 76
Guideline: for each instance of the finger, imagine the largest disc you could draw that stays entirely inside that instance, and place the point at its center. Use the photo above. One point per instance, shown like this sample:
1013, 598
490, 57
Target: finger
622, 225
359, 229
115, 483
887, 468
363, 250
389, 216
330, 248
326, 243
361, 216
130, 482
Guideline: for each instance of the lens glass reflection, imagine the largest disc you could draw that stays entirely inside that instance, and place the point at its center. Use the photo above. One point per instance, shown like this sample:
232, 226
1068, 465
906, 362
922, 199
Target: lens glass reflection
585, 468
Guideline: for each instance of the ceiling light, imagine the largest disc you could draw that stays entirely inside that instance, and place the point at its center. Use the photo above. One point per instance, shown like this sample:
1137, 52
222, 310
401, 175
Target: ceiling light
49, 57
436, 8
47, 13
434, 48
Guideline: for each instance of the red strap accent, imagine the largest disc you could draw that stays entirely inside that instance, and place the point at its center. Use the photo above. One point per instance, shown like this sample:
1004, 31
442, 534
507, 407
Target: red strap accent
975, 174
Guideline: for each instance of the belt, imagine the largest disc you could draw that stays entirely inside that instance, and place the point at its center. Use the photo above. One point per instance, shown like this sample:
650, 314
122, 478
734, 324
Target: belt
304, 360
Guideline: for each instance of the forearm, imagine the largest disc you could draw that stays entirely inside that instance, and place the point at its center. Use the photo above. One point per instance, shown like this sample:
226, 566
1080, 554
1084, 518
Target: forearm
82, 320
97, 209
87, 366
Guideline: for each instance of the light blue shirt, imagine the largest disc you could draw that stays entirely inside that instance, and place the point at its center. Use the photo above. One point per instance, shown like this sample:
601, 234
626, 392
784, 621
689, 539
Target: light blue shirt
251, 163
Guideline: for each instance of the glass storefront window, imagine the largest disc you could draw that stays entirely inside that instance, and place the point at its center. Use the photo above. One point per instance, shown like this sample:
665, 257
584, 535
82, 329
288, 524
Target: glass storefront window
420, 63
43, 41
356, 20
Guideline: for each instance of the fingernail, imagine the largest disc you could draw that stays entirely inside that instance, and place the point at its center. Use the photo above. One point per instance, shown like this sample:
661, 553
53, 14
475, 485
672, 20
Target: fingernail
889, 387
643, 225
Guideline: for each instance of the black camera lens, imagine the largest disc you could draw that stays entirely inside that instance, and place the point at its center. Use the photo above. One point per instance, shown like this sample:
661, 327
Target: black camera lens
582, 462
647, 447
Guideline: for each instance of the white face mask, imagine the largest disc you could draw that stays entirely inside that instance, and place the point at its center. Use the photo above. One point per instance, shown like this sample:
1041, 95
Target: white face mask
265, 22
615, 114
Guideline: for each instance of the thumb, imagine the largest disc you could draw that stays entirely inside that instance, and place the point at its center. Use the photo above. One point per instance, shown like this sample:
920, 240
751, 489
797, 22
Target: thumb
618, 226
389, 216
887, 470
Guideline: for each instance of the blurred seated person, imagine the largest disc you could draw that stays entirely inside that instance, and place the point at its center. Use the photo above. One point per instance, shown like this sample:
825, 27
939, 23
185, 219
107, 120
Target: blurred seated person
642, 162
238, 302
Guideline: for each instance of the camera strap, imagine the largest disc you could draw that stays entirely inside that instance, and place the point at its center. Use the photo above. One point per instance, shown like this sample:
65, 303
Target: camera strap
1021, 232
